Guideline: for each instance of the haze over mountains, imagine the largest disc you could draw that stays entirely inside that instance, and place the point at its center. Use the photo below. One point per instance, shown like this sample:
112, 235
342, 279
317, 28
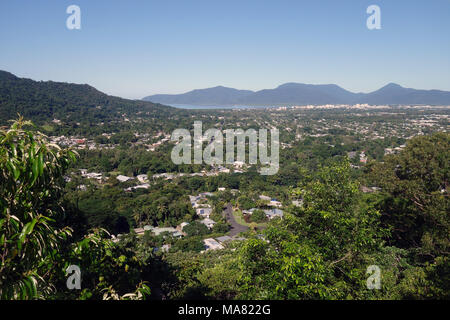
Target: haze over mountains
46, 100
304, 94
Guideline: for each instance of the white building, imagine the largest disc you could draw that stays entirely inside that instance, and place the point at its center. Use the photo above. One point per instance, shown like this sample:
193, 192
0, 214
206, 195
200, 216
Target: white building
273, 213
275, 203
143, 178
204, 212
157, 231
141, 186
238, 164
122, 178
93, 175
211, 244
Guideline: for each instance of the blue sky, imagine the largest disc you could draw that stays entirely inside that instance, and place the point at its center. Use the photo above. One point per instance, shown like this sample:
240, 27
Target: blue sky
137, 48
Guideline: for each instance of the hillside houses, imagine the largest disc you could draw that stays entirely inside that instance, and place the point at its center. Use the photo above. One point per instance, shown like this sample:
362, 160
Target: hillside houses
212, 173
270, 207
158, 231
141, 186
121, 178
198, 204
394, 150
270, 201
91, 175
202, 209
270, 213
219, 242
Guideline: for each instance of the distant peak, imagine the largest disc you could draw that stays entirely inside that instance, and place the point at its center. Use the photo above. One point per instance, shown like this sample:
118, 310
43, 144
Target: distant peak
290, 85
297, 85
392, 85
218, 88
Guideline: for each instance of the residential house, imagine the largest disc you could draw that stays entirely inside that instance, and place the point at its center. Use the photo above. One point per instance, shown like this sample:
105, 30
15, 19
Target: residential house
122, 178
143, 178
141, 186
250, 211
273, 213
211, 244
363, 157
208, 222
174, 232
204, 212
139, 231
94, 175
275, 203
238, 164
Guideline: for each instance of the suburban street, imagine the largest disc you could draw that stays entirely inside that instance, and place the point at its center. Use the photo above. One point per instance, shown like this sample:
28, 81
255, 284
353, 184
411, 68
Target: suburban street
236, 228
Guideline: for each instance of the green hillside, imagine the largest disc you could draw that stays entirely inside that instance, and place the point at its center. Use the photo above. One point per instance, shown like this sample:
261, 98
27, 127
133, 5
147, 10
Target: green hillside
44, 101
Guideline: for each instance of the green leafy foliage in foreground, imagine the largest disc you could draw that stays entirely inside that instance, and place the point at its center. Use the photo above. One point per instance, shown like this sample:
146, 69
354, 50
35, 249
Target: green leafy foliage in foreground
30, 171
317, 251
109, 270
34, 252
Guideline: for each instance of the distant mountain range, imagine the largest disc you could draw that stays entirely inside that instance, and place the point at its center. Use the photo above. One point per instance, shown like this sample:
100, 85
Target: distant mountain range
304, 94
45, 100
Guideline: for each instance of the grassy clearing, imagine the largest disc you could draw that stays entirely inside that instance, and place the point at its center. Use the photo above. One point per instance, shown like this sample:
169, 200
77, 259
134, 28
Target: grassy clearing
240, 219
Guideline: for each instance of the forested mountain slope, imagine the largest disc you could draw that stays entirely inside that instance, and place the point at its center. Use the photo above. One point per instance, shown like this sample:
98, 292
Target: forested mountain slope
48, 100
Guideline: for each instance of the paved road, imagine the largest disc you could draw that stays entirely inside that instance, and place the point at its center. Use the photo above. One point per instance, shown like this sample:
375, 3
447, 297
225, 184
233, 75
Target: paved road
236, 228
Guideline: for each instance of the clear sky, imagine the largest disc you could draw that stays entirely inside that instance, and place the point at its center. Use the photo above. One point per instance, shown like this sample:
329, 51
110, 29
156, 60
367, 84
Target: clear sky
136, 48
